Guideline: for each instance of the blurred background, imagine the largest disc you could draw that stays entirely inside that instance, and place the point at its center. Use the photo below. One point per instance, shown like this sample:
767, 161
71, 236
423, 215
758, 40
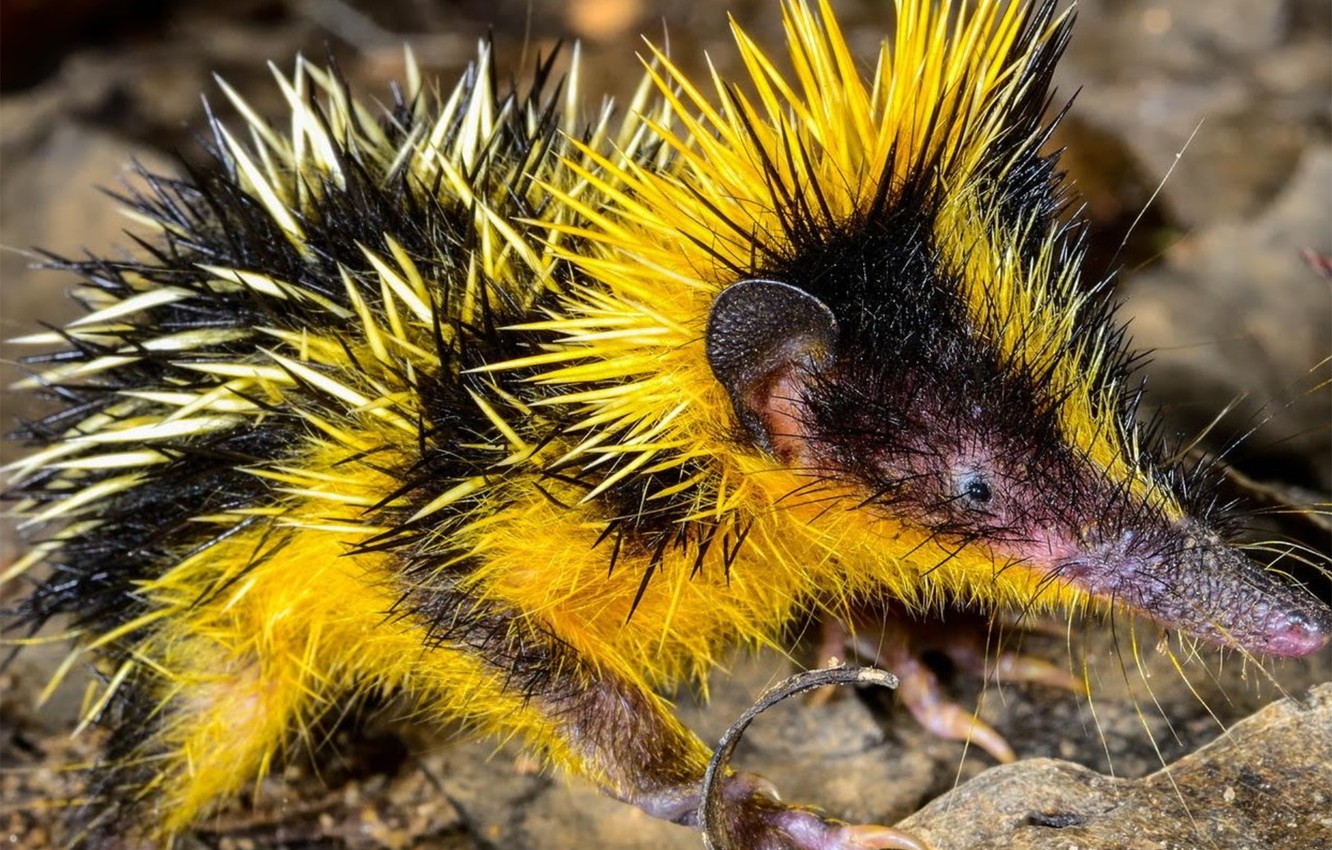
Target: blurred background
1233, 98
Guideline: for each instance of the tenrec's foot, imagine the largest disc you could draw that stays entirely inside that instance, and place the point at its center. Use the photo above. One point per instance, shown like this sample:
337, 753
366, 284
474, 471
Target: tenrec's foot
898, 644
760, 822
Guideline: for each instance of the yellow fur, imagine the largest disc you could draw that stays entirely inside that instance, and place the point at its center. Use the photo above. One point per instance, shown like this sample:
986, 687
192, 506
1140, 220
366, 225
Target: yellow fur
271, 627
662, 241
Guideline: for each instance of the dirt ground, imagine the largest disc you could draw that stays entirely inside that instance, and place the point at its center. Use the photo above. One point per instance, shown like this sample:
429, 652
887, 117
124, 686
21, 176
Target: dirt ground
1201, 145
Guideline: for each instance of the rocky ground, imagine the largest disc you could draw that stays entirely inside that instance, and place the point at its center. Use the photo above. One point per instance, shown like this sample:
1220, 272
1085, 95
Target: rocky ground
1231, 99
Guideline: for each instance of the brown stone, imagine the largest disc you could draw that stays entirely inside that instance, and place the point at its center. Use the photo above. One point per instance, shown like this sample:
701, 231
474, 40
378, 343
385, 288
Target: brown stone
1266, 783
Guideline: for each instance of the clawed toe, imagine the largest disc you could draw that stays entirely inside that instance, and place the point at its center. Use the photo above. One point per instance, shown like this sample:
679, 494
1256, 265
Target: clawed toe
1025, 669
869, 837
923, 696
897, 643
805, 829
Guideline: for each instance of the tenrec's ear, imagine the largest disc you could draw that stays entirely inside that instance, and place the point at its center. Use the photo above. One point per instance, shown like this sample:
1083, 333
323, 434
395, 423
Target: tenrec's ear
760, 332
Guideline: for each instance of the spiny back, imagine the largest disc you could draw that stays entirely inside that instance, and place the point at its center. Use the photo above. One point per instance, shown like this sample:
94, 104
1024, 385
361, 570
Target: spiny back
320, 290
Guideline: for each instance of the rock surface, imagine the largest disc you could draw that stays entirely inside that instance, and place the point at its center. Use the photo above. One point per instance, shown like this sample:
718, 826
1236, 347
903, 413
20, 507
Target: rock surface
1264, 784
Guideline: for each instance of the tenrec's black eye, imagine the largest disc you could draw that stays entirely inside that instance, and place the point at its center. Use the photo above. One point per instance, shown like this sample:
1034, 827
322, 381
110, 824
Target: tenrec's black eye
976, 490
